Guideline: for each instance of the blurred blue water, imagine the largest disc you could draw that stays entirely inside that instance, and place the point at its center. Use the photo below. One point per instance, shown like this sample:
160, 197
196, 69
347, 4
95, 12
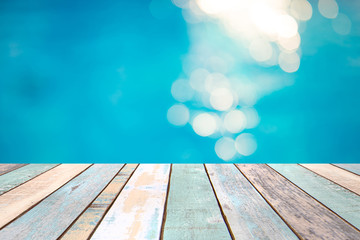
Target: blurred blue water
89, 81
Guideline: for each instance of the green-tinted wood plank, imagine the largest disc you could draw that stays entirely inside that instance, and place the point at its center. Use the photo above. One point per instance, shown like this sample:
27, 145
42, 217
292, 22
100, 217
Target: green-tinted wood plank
248, 214
16, 177
51, 217
192, 209
355, 168
20, 199
339, 176
309, 218
89, 220
345, 203
138, 211
5, 168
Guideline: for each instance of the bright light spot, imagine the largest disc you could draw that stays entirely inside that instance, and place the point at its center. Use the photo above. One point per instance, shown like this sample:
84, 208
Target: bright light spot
221, 99
290, 44
264, 17
235, 121
217, 64
225, 148
341, 24
286, 26
328, 8
209, 6
197, 79
204, 124
289, 62
181, 90
252, 117
180, 3
260, 50
215, 81
301, 9
245, 144
178, 115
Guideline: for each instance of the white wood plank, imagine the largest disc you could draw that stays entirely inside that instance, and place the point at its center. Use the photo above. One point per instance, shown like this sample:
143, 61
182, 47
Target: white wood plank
137, 212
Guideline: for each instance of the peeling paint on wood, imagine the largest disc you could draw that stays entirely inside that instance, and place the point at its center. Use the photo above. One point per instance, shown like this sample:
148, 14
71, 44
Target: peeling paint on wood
89, 220
343, 202
20, 199
248, 214
192, 209
308, 218
50, 218
137, 212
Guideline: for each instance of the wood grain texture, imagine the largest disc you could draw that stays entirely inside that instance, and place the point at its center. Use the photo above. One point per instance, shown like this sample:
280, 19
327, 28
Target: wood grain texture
137, 212
50, 218
343, 202
192, 209
5, 168
20, 199
248, 214
309, 218
89, 220
355, 168
339, 176
21, 175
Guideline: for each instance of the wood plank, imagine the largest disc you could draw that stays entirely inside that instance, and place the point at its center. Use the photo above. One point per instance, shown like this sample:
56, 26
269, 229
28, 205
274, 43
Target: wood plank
89, 220
355, 168
137, 212
308, 218
20, 199
50, 218
339, 176
248, 214
192, 209
343, 202
21, 175
5, 168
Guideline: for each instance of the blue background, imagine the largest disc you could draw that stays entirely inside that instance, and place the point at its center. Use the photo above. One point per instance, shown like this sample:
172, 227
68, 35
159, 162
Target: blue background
89, 81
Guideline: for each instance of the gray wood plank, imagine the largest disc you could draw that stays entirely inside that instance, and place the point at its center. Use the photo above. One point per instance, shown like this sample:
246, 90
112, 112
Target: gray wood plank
248, 214
340, 200
308, 218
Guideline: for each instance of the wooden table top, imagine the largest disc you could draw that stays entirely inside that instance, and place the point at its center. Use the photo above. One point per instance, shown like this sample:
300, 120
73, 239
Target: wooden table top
180, 201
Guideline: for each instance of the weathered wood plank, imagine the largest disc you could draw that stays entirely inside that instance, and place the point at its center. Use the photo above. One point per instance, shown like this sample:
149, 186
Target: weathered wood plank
248, 214
21, 175
5, 168
137, 212
192, 209
20, 199
343, 202
308, 218
89, 220
339, 176
50, 218
355, 168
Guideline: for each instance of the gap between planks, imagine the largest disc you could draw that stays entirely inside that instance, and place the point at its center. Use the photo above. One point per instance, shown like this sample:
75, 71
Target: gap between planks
85, 234
311, 195
339, 176
165, 205
316, 224
220, 207
25, 205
